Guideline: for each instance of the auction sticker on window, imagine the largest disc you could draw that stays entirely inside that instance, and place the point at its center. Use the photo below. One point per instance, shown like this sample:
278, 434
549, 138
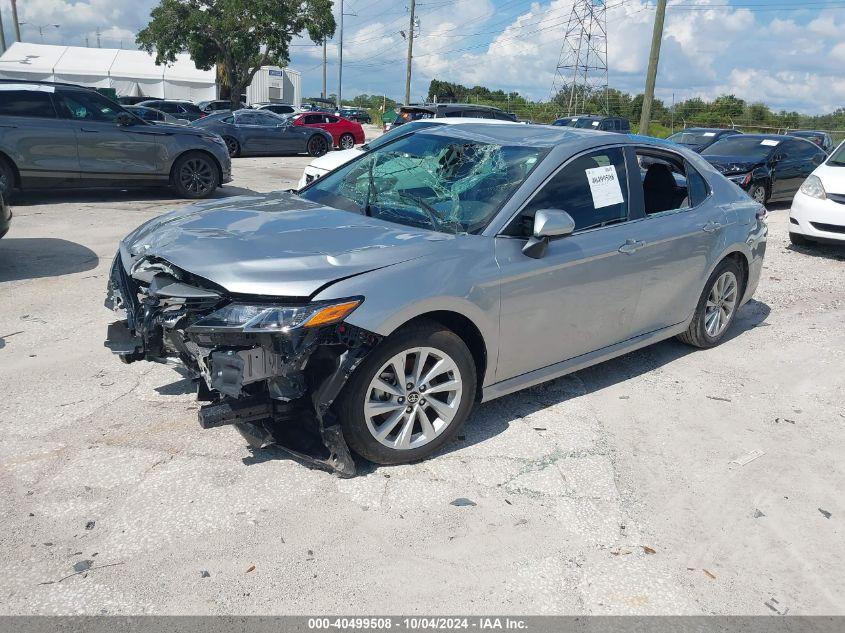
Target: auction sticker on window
769, 142
604, 186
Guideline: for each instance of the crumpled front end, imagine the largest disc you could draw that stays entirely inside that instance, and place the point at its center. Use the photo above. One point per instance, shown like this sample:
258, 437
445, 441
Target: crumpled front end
271, 366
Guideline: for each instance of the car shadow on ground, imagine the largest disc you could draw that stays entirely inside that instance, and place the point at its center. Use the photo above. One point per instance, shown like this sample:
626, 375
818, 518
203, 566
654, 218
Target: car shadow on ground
37, 257
89, 195
492, 418
820, 249
495, 417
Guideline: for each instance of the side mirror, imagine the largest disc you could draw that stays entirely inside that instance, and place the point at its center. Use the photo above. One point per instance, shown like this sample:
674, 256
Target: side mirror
548, 223
124, 119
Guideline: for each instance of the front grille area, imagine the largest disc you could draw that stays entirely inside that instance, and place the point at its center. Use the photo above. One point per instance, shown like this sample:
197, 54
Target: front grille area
837, 197
829, 228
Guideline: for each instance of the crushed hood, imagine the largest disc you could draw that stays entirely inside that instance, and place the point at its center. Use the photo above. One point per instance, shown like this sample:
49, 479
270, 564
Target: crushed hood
274, 244
733, 164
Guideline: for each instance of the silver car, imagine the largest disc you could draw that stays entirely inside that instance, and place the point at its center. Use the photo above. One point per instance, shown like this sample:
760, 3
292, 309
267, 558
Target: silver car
456, 265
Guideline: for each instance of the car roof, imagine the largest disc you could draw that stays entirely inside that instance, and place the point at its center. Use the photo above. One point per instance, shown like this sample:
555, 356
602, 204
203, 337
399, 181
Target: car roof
707, 129
770, 137
56, 84
541, 135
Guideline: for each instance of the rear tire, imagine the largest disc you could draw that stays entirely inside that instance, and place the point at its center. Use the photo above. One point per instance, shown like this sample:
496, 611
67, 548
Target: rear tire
797, 239
7, 179
195, 175
713, 315
446, 380
317, 146
347, 141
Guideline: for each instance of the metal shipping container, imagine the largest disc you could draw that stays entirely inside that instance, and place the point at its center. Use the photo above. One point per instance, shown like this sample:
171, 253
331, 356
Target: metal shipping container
275, 84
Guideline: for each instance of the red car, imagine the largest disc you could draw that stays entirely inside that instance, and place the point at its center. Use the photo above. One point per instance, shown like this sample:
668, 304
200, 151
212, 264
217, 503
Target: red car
346, 133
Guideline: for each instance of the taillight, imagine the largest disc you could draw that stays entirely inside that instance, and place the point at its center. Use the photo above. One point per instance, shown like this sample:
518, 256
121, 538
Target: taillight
747, 180
761, 214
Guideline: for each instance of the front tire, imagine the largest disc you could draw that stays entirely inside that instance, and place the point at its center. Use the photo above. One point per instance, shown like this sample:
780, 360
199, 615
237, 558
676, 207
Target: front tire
409, 396
195, 175
796, 239
716, 307
7, 179
347, 141
317, 146
759, 193
232, 146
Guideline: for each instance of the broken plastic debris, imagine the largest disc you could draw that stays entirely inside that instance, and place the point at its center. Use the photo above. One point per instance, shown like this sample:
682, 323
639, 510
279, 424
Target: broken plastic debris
251, 568
204, 574
758, 514
90, 525
649, 550
709, 575
463, 501
825, 513
748, 457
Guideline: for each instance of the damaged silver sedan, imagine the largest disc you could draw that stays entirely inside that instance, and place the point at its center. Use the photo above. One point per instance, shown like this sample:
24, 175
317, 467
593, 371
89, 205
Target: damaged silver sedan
371, 310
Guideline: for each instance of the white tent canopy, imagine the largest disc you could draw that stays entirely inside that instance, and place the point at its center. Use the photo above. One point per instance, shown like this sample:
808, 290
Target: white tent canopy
130, 73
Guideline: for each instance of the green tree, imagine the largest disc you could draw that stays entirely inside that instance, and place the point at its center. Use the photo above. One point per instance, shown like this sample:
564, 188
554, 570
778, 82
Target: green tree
239, 35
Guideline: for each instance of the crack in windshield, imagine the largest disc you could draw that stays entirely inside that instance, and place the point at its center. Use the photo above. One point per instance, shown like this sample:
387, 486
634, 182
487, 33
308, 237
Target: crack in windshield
429, 181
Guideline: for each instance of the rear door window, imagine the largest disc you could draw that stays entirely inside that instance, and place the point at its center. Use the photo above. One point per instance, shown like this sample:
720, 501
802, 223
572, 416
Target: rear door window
29, 103
669, 182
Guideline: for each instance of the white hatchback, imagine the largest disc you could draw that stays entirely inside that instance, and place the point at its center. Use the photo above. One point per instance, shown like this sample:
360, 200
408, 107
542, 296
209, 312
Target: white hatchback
818, 210
319, 167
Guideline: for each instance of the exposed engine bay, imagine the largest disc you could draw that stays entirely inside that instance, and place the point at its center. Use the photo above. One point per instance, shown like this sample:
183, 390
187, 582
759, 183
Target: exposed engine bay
270, 366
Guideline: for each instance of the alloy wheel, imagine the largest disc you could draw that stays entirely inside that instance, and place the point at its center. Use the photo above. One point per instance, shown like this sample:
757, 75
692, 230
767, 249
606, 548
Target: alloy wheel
196, 176
413, 398
347, 141
721, 304
231, 146
759, 194
318, 146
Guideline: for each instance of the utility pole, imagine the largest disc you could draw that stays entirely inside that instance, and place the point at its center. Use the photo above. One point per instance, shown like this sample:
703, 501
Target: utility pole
340, 61
98, 37
324, 94
654, 57
15, 20
410, 54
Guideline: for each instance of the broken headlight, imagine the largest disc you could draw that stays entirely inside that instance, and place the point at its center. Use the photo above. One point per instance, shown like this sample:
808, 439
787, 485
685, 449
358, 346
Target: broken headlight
243, 317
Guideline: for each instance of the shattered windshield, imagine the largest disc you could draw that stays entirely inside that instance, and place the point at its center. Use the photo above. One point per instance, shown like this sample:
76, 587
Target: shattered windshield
445, 184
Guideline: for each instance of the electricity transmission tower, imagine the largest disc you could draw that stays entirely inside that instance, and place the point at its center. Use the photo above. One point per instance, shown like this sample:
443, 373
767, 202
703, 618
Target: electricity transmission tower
582, 66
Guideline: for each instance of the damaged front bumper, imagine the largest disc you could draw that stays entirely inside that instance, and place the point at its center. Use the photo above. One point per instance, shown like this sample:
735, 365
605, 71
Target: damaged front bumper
271, 368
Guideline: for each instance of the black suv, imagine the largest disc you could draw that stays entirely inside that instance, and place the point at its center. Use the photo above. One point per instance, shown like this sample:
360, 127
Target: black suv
180, 109
61, 135
596, 122
463, 110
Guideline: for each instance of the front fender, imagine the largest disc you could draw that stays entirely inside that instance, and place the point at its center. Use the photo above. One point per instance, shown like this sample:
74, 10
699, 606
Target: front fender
461, 277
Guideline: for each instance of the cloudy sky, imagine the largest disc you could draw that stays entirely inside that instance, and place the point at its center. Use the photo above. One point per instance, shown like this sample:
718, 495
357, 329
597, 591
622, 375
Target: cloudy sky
787, 53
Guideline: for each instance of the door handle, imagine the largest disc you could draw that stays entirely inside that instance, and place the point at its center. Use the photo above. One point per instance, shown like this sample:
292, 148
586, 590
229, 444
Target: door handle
82, 129
711, 227
631, 246
9, 126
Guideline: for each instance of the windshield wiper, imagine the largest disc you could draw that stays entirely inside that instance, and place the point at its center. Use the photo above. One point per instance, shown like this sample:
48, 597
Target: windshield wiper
433, 214
371, 187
